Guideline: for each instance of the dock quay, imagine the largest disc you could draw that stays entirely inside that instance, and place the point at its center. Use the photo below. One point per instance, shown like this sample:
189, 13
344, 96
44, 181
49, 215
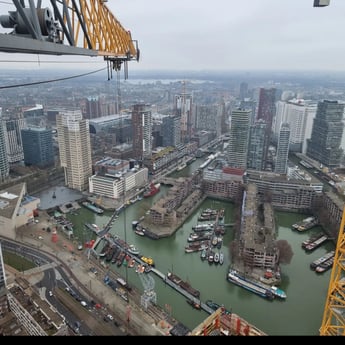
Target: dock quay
69, 207
108, 225
120, 244
232, 320
96, 242
183, 291
158, 273
162, 276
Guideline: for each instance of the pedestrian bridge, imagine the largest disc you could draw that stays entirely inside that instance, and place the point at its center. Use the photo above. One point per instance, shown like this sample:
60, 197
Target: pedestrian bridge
41, 268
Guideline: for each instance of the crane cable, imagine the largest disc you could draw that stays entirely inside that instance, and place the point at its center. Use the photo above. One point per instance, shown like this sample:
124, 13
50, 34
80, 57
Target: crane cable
51, 80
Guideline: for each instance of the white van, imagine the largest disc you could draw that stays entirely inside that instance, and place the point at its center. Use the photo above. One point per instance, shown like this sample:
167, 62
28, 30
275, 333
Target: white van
83, 303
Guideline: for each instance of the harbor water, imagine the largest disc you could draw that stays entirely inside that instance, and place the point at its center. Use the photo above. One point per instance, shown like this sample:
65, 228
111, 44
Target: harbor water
300, 314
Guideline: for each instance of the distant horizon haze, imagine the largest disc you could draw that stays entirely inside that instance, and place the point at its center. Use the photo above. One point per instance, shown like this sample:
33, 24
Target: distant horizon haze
219, 36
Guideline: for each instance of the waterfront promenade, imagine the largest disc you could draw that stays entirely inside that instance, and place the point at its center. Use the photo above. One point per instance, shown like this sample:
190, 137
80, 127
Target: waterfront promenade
153, 321
78, 266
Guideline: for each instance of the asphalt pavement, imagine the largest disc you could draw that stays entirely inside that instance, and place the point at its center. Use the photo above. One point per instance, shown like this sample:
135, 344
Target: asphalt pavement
73, 269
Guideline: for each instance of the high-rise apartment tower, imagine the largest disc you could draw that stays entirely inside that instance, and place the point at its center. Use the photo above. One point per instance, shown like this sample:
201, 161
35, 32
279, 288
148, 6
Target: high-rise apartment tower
142, 131
184, 109
325, 141
12, 129
38, 146
266, 111
239, 136
4, 165
282, 149
75, 149
257, 146
171, 132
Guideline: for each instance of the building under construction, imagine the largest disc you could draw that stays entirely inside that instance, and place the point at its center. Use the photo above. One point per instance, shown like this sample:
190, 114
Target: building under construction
223, 322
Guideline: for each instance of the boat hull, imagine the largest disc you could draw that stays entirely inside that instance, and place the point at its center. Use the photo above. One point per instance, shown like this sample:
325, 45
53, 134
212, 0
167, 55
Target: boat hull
249, 285
154, 189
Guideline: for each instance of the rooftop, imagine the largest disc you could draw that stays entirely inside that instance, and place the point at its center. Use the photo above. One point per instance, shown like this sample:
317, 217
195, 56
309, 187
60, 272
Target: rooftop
107, 118
9, 200
39, 309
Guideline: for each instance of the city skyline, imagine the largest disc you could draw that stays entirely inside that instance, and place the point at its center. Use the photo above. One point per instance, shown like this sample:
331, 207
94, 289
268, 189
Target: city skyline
229, 35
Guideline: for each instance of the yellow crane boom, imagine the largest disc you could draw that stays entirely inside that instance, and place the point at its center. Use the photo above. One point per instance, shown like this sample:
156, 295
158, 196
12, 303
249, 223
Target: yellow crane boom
67, 27
333, 322
105, 33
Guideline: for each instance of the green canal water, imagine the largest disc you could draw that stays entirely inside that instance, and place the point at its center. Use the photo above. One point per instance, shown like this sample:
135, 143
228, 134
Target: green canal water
300, 314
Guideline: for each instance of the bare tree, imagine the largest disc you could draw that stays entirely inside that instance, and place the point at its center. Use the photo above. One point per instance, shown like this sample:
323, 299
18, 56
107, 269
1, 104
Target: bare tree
234, 249
267, 196
285, 251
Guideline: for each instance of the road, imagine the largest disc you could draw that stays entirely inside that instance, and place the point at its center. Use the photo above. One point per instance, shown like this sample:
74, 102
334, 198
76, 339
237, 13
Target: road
83, 321
74, 271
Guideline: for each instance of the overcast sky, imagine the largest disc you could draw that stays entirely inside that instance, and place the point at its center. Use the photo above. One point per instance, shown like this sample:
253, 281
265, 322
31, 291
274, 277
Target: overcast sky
231, 34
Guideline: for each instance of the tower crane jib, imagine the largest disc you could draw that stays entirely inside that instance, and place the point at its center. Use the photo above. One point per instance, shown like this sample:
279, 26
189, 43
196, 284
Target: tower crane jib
67, 27
333, 321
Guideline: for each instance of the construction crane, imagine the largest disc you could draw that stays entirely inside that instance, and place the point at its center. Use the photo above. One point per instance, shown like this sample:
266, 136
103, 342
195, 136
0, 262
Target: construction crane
72, 27
149, 296
333, 321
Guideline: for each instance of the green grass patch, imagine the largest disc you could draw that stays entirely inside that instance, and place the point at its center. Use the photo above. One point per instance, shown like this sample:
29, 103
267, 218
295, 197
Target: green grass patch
19, 263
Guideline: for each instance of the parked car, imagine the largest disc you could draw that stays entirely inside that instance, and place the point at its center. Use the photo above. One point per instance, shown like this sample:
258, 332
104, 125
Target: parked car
93, 270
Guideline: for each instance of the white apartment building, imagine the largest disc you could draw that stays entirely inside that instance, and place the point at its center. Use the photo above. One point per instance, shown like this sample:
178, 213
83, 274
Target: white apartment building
75, 149
115, 186
299, 114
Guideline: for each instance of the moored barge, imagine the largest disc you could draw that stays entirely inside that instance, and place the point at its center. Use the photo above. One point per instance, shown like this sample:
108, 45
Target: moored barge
92, 207
305, 224
249, 285
183, 285
325, 266
315, 244
322, 259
